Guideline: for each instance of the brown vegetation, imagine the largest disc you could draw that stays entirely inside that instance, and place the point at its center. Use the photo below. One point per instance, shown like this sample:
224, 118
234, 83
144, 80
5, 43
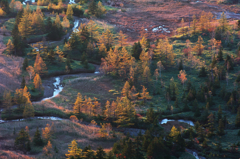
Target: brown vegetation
151, 14
10, 70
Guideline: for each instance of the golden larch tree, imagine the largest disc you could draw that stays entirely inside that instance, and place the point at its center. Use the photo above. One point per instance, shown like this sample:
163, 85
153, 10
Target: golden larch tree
28, 110
59, 53
164, 52
113, 109
47, 150
122, 39
182, 76
107, 111
126, 89
57, 21
174, 133
198, 48
78, 104
108, 38
93, 30
2, 13
73, 150
37, 82
10, 47
144, 95
65, 22
194, 24
30, 71
39, 65
143, 43
102, 50
47, 132
69, 12
146, 77
25, 27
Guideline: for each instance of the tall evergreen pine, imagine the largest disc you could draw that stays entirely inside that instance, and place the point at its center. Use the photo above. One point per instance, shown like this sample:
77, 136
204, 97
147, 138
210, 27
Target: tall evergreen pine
25, 64
237, 121
37, 139
23, 83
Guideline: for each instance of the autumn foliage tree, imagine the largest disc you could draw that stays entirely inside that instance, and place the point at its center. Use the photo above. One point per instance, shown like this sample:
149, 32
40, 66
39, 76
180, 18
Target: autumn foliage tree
37, 82
144, 95
74, 151
10, 47
47, 150
47, 132
39, 65
22, 97
30, 71
69, 12
164, 53
2, 13
182, 76
122, 39
28, 111
198, 48
65, 22
78, 104
25, 27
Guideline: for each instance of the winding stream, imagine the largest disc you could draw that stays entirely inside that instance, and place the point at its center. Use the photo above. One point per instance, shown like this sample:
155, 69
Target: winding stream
57, 88
164, 121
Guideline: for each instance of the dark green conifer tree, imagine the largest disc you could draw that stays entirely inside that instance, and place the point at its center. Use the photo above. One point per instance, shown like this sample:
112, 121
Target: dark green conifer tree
186, 107
220, 127
202, 72
196, 109
237, 121
219, 112
210, 125
220, 55
22, 141
51, 56
92, 7
128, 150
180, 143
150, 115
147, 137
205, 143
214, 62
100, 154
136, 50
37, 139
139, 153
180, 65
110, 155
23, 83
176, 105
25, 63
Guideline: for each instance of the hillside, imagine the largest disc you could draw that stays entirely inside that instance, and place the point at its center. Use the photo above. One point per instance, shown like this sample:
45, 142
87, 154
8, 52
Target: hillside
118, 79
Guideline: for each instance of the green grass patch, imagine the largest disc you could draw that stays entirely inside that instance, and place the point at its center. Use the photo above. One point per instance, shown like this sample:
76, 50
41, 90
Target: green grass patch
9, 24
6, 38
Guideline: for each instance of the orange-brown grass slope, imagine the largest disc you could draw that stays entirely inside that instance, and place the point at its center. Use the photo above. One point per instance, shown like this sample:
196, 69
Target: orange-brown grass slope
10, 70
148, 15
8, 154
64, 132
